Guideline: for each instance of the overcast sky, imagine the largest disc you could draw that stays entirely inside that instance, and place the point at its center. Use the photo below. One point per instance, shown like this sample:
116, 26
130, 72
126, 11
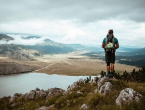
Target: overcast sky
76, 21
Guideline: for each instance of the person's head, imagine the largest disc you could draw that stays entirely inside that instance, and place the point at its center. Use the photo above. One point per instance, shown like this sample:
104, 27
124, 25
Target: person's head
110, 31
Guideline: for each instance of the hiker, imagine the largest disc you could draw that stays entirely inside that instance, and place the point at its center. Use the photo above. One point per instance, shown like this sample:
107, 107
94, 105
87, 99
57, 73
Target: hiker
110, 44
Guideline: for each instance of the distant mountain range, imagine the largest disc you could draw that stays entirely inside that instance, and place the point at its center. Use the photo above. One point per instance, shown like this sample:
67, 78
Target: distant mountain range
29, 52
47, 47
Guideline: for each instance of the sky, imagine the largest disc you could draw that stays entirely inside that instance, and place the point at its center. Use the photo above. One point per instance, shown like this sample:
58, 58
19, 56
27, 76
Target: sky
76, 21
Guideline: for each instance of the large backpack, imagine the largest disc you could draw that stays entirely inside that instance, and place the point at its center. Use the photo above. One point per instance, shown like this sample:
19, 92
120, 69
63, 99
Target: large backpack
109, 43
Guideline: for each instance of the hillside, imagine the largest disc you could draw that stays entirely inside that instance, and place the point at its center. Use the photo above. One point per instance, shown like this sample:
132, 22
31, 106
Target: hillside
97, 94
17, 52
50, 47
28, 52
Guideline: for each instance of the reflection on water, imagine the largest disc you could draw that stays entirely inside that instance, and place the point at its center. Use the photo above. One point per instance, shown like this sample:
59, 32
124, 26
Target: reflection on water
23, 83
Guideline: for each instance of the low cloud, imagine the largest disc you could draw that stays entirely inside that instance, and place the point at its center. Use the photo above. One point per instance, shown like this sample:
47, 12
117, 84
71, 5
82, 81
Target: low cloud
20, 41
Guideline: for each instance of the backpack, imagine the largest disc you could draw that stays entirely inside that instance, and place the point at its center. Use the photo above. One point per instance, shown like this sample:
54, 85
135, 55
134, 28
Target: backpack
109, 44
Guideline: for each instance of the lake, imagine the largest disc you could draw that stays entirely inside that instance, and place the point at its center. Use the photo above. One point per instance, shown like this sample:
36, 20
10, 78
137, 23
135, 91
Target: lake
23, 83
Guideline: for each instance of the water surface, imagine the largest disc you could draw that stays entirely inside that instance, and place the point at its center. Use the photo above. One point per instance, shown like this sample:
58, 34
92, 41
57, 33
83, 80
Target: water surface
23, 83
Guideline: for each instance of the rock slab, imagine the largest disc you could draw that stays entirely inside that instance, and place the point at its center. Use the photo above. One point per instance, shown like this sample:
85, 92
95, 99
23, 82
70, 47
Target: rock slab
128, 95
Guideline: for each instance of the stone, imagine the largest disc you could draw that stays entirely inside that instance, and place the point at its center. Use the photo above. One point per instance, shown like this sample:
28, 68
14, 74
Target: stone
67, 92
76, 84
79, 92
31, 95
46, 108
54, 91
106, 88
101, 81
43, 108
84, 107
41, 94
127, 95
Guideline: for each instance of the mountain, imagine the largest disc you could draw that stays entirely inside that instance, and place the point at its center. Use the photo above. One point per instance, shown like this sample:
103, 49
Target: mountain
127, 49
84, 48
47, 47
50, 47
4, 37
139, 51
17, 52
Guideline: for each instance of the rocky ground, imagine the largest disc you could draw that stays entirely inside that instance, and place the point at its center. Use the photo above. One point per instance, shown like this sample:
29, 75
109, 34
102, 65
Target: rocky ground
101, 93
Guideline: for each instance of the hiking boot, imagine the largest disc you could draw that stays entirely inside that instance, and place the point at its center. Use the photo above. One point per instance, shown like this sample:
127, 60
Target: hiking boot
110, 76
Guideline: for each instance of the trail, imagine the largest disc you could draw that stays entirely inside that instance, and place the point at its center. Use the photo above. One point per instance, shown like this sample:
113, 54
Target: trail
67, 62
45, 67
52, 64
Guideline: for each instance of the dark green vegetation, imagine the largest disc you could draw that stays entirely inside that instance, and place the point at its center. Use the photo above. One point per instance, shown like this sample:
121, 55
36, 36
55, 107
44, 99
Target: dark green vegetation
74, 100
133, 60
137, 76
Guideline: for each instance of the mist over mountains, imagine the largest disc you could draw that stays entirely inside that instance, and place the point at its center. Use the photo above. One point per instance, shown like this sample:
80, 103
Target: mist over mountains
26, 47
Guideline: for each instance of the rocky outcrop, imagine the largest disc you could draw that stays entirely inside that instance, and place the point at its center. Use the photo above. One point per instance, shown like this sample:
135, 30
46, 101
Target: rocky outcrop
101, 82
128, 95
14, 68
36, 93
106, 88
54, 91
103, 86
42, 94
76, 84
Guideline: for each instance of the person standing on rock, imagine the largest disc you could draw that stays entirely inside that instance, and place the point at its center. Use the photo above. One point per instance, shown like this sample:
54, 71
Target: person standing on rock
110, 44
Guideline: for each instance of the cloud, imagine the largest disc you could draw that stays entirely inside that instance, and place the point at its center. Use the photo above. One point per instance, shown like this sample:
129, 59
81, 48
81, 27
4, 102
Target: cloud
75, 21
20, 41
82, 10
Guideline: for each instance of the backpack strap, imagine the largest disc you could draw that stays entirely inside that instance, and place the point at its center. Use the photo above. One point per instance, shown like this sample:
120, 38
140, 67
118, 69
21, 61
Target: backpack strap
106, 42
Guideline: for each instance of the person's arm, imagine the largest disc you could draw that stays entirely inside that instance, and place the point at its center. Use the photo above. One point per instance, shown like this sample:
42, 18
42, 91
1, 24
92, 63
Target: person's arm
102, 45
117, 46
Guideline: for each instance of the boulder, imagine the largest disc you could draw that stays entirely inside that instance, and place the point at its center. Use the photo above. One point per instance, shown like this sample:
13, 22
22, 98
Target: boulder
128, 95
54, 91
31, 95
101, 81
76, 84
106, 88
46, 108
41, 94
84, 107
43, 108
